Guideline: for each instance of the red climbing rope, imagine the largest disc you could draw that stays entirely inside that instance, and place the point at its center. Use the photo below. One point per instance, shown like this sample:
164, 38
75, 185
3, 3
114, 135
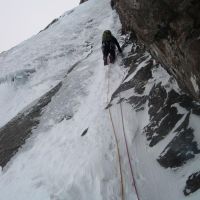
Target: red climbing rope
128, 154
117, 144
127, 149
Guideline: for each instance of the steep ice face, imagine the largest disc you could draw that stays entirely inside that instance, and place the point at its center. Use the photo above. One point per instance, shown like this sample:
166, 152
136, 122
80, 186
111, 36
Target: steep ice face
58, 91
38, 64
57, 162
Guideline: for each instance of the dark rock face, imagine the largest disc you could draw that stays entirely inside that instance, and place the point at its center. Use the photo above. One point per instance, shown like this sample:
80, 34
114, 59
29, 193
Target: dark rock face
163, 115
192, 184
53, 22
152, 89
161, 107
138, 82
82, 1
172, 31
181, 148
84, 132
14, 134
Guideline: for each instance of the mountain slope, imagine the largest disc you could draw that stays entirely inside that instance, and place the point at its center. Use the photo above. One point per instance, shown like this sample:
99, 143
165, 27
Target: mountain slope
56, 162
56, 99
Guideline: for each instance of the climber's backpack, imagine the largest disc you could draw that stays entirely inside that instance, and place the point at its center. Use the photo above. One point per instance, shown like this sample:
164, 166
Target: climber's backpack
107, 42
107, 36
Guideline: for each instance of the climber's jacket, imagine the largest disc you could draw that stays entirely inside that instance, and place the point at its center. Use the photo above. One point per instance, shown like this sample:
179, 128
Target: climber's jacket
109, 42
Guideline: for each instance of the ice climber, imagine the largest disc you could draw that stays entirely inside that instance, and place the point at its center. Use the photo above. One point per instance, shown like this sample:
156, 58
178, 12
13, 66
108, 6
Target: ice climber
109, 42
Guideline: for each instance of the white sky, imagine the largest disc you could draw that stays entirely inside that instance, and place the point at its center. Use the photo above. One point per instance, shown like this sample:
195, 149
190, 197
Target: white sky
21, 19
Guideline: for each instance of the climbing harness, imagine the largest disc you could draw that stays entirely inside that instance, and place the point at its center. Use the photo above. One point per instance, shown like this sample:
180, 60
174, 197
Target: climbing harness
117, 144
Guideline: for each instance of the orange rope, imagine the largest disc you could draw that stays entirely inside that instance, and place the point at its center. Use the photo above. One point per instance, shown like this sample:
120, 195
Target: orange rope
128, 154
117, 144
127, 149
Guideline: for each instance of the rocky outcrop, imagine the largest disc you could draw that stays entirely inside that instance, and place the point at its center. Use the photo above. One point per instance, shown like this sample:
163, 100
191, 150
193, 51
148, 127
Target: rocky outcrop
82, 1
181, 148
171, 29
49, 25
148, 87
163, 108
14, 134
192, 184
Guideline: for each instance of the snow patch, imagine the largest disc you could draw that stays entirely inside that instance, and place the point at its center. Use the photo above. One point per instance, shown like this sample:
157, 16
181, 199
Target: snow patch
194, 83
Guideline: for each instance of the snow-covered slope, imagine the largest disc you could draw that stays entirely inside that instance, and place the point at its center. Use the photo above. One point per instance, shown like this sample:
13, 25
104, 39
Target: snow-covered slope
36, 65
56, 92
56, 162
